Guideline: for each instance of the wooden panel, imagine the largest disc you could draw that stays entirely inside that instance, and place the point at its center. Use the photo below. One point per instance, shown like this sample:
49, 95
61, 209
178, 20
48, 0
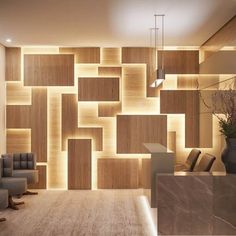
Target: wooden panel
117, 173
79, 163
18, 141
48, 70
13, 64
134, 130
111, 56
84, 55
70, 124
146, 173
39, 123
225, 36
98, 89
42, 184
109, 71
109, 109
180, 62
186, 102
143, 55
18, 116
18, 94
172, 141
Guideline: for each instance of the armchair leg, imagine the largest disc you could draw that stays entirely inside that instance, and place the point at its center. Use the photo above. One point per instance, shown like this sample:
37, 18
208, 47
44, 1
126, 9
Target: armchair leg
2, 219
30, 193
12, 204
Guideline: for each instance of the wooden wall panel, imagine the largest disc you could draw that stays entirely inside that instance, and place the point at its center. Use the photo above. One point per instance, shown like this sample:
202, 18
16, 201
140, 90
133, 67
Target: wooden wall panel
187, 82
84, 55
186, 102
134, 130
18, 117
225, 36
111, 56
109, 71
39, 123
180, 61
79, 163
98, 89
109, 109
146, 173
42, 184
18, 94
143, 55
13, 64
18, 140
114, 173
48, 70
70, 124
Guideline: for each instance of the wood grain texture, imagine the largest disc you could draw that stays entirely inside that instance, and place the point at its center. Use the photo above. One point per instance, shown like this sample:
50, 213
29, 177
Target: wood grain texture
134, 130
98, 89
187, 82
84, 54
172, 141
18, 141
39, 123
13, 64
79, 163
48, 70
70, 124
225, 36
143, 55
114, 173
18, 94
146, 173
111, 56
109, 109
18, 117
180, 61
186, 102
109, 71
42, 184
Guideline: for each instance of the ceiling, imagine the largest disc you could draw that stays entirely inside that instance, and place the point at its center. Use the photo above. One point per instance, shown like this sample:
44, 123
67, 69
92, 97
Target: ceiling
110, 22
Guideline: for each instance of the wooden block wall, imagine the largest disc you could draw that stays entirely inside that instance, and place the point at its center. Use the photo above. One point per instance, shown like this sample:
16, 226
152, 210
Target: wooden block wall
42, 184
79, 163
114, 173
44, 119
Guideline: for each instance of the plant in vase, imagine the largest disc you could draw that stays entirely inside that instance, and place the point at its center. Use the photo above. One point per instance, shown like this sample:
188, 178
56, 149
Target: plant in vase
224, 102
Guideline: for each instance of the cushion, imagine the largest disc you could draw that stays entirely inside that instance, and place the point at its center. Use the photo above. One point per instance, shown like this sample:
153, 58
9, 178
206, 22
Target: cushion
30, 175
3, 198
15, 186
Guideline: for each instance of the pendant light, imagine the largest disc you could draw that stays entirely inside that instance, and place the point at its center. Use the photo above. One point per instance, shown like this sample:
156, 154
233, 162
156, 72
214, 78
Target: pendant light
160, 75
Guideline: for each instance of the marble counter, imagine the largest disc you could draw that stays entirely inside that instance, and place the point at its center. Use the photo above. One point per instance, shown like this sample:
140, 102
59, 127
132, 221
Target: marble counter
196, 204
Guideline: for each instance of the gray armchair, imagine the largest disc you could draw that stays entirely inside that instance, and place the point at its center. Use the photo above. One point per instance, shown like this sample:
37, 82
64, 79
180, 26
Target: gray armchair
15, 186
24, 166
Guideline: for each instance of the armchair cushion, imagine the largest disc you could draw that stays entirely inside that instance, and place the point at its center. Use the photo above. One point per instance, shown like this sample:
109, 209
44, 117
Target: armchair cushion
15, 186
24, 161
30, 175
3, 198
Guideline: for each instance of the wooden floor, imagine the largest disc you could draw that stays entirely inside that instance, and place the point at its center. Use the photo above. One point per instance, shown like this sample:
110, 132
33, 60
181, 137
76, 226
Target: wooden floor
101, 212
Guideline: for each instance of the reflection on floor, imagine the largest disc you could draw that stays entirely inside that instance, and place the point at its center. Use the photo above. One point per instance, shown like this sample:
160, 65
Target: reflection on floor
101, 212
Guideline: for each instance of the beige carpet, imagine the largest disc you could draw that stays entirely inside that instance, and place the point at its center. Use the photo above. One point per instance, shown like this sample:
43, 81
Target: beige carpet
101, 212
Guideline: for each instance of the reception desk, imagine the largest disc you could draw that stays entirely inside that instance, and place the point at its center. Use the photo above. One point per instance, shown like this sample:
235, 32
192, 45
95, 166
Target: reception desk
196, 203
162, 161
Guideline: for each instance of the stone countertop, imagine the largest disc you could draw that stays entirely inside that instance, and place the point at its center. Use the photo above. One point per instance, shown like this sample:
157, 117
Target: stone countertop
155, 148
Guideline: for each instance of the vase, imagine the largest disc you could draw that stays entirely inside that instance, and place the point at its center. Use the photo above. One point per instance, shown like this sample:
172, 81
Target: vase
228, 156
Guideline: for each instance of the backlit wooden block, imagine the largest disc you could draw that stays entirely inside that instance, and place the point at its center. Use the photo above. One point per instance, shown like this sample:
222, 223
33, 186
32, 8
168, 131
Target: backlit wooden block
114, 173
109, 109
134, 130
146, 173
13, 64
109, 71
48, 70
111, 56
98, 89
180, 61
79, 163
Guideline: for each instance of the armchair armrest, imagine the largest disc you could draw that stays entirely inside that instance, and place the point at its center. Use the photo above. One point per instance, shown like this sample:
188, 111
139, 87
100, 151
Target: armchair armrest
6, 165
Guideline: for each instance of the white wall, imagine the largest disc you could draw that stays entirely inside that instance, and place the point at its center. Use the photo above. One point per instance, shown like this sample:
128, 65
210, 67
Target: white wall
2, 101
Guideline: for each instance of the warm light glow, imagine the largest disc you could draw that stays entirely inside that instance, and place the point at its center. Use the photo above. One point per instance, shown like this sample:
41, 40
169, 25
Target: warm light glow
8, 40
156, 83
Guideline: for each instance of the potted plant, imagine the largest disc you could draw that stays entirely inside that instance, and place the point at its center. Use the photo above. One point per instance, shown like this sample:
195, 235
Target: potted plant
224, 102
